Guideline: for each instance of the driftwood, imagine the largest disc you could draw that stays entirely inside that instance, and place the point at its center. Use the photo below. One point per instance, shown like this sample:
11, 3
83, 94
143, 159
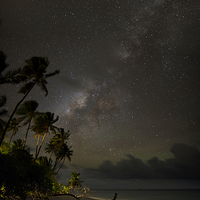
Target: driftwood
115, 196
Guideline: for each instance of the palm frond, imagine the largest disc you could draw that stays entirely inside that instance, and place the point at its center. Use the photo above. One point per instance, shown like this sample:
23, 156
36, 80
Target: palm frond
20, 119
49, 147
41, 123
26, 73
65, 152
27, 107
55, 120
52, 73
38, 65
43, 87
26, 87
10, 77
21, 110
42, 69
13, 126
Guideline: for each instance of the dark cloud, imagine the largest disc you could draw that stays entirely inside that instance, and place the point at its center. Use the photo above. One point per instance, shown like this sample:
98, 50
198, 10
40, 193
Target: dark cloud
184, 165
129, 168
186, 161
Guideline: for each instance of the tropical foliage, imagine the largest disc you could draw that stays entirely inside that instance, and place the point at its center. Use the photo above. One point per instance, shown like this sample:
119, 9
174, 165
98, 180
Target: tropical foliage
24, 174
75, 181
58, 147
33, 73
43, 124
21, 176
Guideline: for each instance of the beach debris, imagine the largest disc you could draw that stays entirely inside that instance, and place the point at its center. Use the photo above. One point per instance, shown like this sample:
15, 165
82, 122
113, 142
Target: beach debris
115, 196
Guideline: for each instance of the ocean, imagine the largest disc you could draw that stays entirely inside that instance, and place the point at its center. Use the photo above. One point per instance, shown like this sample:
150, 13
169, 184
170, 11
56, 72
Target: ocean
146, 194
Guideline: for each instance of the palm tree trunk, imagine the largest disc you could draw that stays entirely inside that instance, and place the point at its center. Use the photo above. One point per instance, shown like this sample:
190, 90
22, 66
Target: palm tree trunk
61, 165
37, 146
41, 145
11, 116
11, 137
27, 133
56, 161
55, 164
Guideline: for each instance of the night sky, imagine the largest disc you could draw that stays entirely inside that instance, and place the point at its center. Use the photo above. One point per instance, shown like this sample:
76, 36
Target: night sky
128, 88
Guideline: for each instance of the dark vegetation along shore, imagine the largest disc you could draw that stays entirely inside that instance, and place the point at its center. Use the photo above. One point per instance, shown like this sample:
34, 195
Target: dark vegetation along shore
23, 174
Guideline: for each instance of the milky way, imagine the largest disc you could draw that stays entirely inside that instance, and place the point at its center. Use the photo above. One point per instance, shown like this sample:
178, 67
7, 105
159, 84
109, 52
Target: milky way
129, 81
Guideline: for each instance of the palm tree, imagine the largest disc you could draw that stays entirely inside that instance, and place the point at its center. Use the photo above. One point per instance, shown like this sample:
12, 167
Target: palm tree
64, 152
43, 124
14, 127
7, 77
27, 111
50, 148
59, 147
33, 74
75, 181
17, 144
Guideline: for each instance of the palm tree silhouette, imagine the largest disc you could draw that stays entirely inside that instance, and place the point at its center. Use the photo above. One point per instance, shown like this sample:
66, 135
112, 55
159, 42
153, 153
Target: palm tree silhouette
57, 141
7, 77
43, 124
27, 110
34, 73
59, 147
64, 153
75, 181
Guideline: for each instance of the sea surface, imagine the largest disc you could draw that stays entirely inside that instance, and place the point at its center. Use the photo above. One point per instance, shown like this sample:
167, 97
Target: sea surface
146, 194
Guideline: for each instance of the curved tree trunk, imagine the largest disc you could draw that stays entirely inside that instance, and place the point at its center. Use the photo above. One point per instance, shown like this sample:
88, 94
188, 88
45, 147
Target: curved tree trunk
61, 165
27, 133
11, 137
56, 161
55, 164
11, 116
37, 146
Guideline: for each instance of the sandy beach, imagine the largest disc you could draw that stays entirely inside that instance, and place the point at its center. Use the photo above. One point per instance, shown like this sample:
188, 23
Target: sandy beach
64, 197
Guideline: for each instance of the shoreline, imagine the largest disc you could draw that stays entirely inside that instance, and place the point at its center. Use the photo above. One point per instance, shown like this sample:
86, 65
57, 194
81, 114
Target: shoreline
64, 197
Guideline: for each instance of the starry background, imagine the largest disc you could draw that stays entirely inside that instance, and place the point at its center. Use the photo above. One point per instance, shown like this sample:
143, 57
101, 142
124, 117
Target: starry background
129, 73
